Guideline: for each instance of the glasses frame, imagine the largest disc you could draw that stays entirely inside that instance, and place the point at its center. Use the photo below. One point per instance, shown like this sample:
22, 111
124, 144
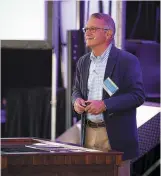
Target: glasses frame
94, 29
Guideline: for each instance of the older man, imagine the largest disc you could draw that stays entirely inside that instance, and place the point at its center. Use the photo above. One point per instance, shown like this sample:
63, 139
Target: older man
108, 88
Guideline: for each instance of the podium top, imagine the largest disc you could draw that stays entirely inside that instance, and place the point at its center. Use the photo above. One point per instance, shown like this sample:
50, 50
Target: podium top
38, 151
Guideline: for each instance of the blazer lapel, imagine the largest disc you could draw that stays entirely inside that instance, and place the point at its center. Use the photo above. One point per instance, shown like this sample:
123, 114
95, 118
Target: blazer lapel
86, 75
110, 65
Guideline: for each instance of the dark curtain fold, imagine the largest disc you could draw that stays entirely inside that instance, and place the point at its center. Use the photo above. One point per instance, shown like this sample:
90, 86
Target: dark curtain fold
82, 47
60, 80
29, 112
38, 104
100, 3
60, 112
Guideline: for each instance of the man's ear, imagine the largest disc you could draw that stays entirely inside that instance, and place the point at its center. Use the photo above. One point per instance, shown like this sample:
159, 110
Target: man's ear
109, 34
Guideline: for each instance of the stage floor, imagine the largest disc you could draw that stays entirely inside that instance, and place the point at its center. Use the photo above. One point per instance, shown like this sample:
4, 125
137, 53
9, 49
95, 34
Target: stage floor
147, 111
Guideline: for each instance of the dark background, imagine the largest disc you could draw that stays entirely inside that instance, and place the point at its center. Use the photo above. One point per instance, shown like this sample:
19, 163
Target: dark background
143, 20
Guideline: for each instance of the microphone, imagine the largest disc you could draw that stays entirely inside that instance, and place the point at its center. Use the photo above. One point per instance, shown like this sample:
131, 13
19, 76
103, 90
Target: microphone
95, 72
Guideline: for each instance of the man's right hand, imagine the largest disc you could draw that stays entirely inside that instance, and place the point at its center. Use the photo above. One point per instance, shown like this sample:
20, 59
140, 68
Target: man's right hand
79, 105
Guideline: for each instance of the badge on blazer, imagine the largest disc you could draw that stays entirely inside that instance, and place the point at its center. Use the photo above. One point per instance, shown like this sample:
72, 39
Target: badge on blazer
110, 87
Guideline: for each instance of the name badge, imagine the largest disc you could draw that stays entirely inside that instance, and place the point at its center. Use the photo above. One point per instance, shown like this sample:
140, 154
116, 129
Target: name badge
110, 87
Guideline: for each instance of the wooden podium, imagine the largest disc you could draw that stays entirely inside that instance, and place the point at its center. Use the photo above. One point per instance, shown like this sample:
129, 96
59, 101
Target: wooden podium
36, 157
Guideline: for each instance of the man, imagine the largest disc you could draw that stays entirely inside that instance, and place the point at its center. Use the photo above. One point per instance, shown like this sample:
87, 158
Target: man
108, 87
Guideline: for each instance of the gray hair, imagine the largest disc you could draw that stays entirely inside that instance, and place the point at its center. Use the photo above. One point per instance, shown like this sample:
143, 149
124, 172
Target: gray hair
107, 19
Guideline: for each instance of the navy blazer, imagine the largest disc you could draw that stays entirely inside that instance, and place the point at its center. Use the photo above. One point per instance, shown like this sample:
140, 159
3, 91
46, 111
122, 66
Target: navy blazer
124, 69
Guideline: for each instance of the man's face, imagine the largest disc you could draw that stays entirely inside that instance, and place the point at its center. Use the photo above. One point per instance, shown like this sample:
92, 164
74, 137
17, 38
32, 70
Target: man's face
95, 34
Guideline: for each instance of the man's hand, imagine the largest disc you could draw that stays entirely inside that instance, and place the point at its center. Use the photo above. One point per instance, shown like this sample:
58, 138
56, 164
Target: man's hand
79, 105
95, 106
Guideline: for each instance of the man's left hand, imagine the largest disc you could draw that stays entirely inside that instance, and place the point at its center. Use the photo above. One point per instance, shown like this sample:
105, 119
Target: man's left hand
95, 106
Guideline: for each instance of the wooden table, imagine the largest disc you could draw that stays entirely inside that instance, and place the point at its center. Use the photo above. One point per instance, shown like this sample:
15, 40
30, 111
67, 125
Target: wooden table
36, 157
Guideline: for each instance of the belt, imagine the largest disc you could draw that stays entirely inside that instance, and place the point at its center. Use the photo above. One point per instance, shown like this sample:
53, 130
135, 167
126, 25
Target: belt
95, 125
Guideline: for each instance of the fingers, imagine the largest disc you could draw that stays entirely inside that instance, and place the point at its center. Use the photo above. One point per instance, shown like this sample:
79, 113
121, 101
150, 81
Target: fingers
88, 105
91, 106
78, 105
92, 110
79, 110
88, 102
82, 103
95, 107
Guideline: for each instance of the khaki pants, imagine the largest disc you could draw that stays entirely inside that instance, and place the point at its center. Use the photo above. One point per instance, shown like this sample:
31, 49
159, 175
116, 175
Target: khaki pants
96, 138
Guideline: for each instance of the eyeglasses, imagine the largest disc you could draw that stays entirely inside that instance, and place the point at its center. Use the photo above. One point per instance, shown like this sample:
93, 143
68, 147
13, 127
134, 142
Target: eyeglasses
93, 29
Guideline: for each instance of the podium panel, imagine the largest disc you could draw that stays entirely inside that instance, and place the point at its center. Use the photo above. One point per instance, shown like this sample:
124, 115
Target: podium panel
36, 157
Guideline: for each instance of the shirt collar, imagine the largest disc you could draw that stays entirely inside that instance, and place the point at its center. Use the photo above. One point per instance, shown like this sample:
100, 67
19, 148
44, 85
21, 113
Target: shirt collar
101, 58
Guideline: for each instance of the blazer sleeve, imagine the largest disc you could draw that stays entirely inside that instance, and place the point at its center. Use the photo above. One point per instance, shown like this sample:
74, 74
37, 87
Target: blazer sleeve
76, 90
134, 95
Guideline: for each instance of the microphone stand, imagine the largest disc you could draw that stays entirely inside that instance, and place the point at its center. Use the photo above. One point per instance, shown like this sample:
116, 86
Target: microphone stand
83, 116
